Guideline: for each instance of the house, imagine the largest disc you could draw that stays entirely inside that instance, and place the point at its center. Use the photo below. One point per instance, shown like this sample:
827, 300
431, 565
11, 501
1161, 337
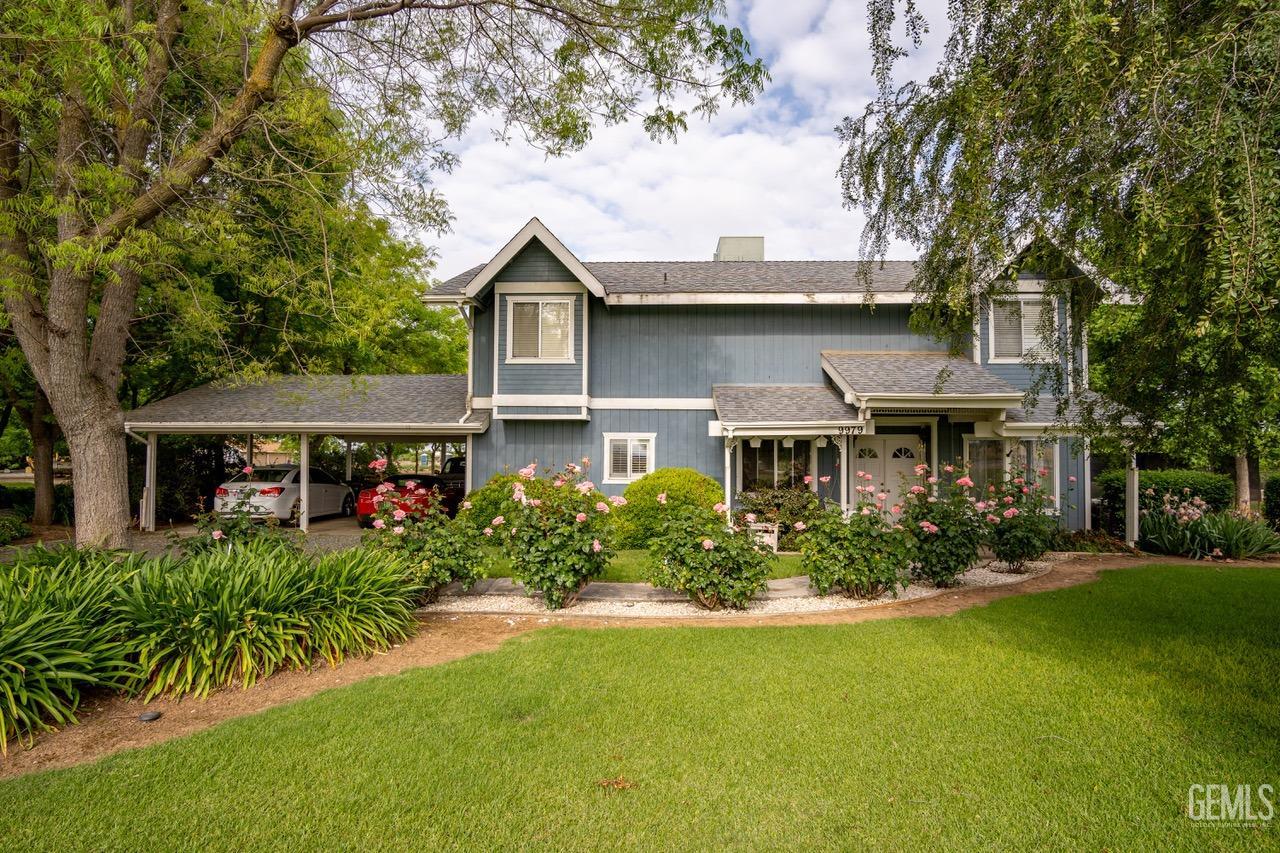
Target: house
758, 373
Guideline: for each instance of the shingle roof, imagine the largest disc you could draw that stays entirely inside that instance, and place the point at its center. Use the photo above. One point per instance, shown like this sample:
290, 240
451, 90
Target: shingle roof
794, 404
732, 277
923, 373
419, 400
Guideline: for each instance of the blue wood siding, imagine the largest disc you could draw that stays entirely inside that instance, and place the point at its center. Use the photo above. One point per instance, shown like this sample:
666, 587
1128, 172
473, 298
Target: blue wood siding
482, 348
539, 378
1019, 375
681, 351
535, 263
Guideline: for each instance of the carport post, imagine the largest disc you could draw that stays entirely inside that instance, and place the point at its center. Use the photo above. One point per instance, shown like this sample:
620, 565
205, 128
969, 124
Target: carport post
249, 453
304, 481
148, 520
1131, 502
349, 472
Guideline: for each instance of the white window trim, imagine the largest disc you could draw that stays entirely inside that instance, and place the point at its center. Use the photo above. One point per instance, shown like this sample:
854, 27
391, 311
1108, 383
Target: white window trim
992, 358
610, 437
510, 314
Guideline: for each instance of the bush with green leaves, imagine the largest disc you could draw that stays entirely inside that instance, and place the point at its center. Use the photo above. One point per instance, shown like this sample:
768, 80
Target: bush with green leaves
717, 565
234, 526
1218, 491
59, 636
490, 500
641, 519
783, 507
12, 528
1020, 519
21, 498
1271, 501
238, 615
1184, 527
948, 529
863, 554
434, 549
556, 531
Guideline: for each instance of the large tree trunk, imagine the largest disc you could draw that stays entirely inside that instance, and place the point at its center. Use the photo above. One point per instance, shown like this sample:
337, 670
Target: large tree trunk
93, 425
43, 435
1242, 481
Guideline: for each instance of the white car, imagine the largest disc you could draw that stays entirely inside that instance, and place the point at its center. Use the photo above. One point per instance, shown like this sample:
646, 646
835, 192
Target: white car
276, 491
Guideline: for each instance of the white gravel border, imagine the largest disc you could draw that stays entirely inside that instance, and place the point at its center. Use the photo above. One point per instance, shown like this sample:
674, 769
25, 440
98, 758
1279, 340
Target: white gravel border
981, 575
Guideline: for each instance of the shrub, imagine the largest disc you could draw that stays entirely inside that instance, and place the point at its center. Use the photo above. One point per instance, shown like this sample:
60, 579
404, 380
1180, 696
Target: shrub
947, 527
865, 554
434, 549
716, 565
641, 519
1183, 527
1271, 501
234, 527
12, 528
556, 532
243, 613
58, 636
783, 507
1217, 490
490, 500
21, 498
1020, 528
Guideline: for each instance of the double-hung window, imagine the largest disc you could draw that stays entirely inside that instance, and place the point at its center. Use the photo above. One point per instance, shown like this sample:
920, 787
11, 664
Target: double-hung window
1018, 328
540, 328
992, 460
627, 456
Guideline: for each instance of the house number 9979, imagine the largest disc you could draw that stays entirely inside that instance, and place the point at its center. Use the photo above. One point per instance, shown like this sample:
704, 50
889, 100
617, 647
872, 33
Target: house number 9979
850, 430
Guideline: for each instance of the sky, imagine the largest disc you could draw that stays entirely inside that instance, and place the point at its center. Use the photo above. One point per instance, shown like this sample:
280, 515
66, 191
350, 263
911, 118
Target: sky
767, 168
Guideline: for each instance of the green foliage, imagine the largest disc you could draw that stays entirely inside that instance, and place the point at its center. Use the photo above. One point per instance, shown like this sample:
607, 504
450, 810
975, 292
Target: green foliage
12, 527
230, 528
491, 500
783, 507
1217, 490
1220, 535
434, 550
21, 498
1020, 526
864, 555
641, 518
1271, 501
238, 615
717, 566
946, 524
58, 636
556, 531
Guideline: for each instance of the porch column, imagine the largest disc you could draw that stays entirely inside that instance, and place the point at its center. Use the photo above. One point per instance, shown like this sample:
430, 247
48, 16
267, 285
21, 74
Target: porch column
844, 473
304, 482
147, 514
1131, 501
348, 468
728, 474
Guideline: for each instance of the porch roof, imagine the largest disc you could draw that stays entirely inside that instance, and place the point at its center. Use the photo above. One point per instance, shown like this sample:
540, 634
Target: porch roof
381, 405
888, 379
739, 406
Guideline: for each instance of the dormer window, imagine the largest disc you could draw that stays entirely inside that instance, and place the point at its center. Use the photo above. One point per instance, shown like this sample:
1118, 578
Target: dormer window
1016, 330
540, 329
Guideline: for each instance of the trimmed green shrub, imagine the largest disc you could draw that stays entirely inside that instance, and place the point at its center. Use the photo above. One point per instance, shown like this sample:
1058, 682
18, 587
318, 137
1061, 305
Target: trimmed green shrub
1271, 501
1020, 528
12, 528
1217, 490
490, 500
58, 636
641, 518
714, 564
864, 555
946, 524
783, 507
434, 550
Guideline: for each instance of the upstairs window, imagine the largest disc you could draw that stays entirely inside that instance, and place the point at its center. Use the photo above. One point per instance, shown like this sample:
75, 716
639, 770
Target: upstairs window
628, 456
540, 329
1016, 330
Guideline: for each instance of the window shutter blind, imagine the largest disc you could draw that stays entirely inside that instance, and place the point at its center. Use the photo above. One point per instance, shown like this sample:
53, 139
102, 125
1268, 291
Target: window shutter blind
639, 458
524, 330
1006, 329
618, 459
555, 329
1032, 312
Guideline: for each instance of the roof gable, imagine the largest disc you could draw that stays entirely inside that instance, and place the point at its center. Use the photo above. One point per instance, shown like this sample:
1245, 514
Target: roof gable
533, 232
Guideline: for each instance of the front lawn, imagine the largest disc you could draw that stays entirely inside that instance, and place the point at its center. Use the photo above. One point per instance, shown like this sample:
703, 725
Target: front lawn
632, 566
1072, 720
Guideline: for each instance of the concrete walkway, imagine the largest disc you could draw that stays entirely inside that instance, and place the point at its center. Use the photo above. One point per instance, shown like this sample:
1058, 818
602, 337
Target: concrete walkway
797, 587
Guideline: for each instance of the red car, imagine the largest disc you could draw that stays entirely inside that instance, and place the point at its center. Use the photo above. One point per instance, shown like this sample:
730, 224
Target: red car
411, 492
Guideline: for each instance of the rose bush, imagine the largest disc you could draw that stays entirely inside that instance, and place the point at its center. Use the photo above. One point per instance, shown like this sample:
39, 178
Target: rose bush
865, 554
1021, 524
717, 565
942, 515
234, 526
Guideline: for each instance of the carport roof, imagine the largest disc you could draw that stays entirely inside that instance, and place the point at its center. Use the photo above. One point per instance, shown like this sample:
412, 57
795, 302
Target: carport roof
403, 404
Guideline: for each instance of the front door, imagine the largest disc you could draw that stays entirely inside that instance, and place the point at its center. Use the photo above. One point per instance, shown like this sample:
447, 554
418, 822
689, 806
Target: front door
889, 459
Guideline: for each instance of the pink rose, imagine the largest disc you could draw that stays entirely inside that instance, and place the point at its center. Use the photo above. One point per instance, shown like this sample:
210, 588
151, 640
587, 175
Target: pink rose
398, 529
409, 484
948, 468
917, 490
993, 519
488, 531
498, 521
379, 523
808, 479
1071, 479
932, 499
1025, 490
585, 486
377, 499
1008, 499
399, 515
861, 474
217, 534
866, 510
601, 506
932, 480
1018, 481
895, 509
707, 544
378, 465
980, 506
1043, 472
750, 517
248, 469
799, 525
466, 504
1010, 512
964, 481
882, 496
719, 507
580, 517
825, 478
618, 500
528, 471
596, 546
662, 497
557, 482
535, 502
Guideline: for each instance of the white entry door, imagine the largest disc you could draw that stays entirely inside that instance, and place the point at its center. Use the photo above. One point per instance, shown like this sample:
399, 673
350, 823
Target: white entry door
889, 459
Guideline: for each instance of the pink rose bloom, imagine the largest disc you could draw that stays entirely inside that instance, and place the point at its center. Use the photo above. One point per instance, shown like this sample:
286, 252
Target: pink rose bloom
948, 468
535, 502
498, 521
398, 529
993, 519
399, 515
601, 506
808, 479
378, 465
750, 517
1018, 481
585, 486
466, 504
380, 488
409, 484
980, 505
882, 496
1010, 512
419, 491
895, 509
1071, 479
571, 468
662, 497
917, 490
861, 474
964, 481
557, 482
920, 469
1025, 490
1008, 499
867, 477
527, 472
932, 499
580, 517
825, 478
799, 525
720, 507
217, 534
248, 469
377, 499
586, 462
1043, 472
707, 544
596, 546
866, 510
618, 500
488, 531
379, 523
932, 480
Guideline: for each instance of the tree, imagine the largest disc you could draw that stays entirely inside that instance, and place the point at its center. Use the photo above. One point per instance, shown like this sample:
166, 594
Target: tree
23, 395
1141, 138
113, 115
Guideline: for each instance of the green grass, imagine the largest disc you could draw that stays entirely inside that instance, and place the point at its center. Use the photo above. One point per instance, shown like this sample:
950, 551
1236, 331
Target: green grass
632, 566
1068, 720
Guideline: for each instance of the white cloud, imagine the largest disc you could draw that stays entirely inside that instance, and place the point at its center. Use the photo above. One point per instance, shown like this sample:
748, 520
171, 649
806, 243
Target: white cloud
768, 168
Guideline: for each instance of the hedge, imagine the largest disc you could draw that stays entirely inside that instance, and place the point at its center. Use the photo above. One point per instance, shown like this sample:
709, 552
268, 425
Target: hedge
1217, 490
640, 520
1271, 501
21, 498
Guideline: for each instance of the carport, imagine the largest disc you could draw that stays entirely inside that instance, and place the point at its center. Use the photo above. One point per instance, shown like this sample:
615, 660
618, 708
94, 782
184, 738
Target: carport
403, 408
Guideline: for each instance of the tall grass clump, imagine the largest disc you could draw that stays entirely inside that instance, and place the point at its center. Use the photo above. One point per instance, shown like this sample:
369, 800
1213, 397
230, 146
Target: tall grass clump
59, 635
